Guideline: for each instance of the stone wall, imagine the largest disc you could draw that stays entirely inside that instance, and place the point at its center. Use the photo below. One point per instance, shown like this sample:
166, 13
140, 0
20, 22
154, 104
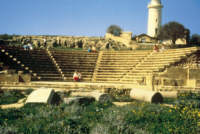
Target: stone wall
72, 42
125, 37
180, 41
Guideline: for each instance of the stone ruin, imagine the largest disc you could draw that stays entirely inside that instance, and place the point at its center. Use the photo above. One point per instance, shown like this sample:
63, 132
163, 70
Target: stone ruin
100, 43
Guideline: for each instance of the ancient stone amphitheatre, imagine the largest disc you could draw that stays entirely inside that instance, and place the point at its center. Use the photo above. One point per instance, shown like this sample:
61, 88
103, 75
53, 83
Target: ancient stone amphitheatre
103, 69
138, 77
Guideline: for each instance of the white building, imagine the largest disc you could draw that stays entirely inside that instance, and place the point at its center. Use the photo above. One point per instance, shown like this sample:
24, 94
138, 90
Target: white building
154, 17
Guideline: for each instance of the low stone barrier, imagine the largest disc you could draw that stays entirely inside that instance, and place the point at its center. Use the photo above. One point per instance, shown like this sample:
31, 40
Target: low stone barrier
101, 97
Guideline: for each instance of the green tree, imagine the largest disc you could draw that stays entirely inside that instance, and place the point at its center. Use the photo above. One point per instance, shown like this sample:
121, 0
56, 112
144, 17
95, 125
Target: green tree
5, 36
115, 30
195, 39
187, 35
172, 31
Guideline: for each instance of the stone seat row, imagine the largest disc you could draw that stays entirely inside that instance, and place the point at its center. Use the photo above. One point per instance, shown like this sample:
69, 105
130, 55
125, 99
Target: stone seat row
120, 66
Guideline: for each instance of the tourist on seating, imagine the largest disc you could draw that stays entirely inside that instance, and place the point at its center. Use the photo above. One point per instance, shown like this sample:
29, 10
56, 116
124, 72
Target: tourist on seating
25, 47
156, 48
94, 49
45, 42
76, 76
30, 47
89, 49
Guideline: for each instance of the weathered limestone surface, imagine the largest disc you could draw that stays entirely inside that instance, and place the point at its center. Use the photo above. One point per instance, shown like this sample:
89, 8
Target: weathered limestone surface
9, 78
42, 95
169, 94
146, 95
124, 38
100, 43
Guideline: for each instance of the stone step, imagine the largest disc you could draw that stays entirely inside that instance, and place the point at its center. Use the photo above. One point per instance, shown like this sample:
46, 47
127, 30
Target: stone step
26, 58
163, 58
148, 67
112, 69
46, 71
145, 70
48, 74
108, 79
134, 77
72, 52
76, 61
84, 69
116, 81
76, 66
109, 76
83, 73
38, 65
83, 76
70, 79
131, 80
42, 57
152, 65
126, 52
51, 79
73, 69
122, 56
118, 62
26, 52
110, 73
167, 56
161, 61
64, 86
75, 57
43, 69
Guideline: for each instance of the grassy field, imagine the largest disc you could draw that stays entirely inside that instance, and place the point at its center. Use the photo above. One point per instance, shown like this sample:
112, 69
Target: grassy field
103, 118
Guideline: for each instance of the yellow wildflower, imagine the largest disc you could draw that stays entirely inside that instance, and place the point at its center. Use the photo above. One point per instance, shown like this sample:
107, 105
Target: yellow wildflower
199, 114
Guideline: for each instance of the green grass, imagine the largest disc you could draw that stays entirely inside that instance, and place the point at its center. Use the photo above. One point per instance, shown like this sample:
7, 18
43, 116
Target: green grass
103, 118
12, 96
8, 97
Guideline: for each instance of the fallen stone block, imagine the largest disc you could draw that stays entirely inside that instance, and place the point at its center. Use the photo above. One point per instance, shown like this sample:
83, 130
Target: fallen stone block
169, 94
146, 95
101, 97
42, 95
15, 105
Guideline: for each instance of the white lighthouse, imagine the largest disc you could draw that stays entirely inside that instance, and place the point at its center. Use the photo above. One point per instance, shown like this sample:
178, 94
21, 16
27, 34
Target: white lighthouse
154, 18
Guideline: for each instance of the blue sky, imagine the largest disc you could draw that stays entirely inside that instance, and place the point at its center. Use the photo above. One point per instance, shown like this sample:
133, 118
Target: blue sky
90, 17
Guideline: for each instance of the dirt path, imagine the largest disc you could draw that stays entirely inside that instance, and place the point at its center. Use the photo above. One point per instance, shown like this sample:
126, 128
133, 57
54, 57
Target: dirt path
19, 104
15, 105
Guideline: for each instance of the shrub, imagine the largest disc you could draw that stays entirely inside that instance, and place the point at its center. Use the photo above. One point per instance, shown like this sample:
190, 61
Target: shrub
121, 95
95, 118
8, 97
8, 130
115, 30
